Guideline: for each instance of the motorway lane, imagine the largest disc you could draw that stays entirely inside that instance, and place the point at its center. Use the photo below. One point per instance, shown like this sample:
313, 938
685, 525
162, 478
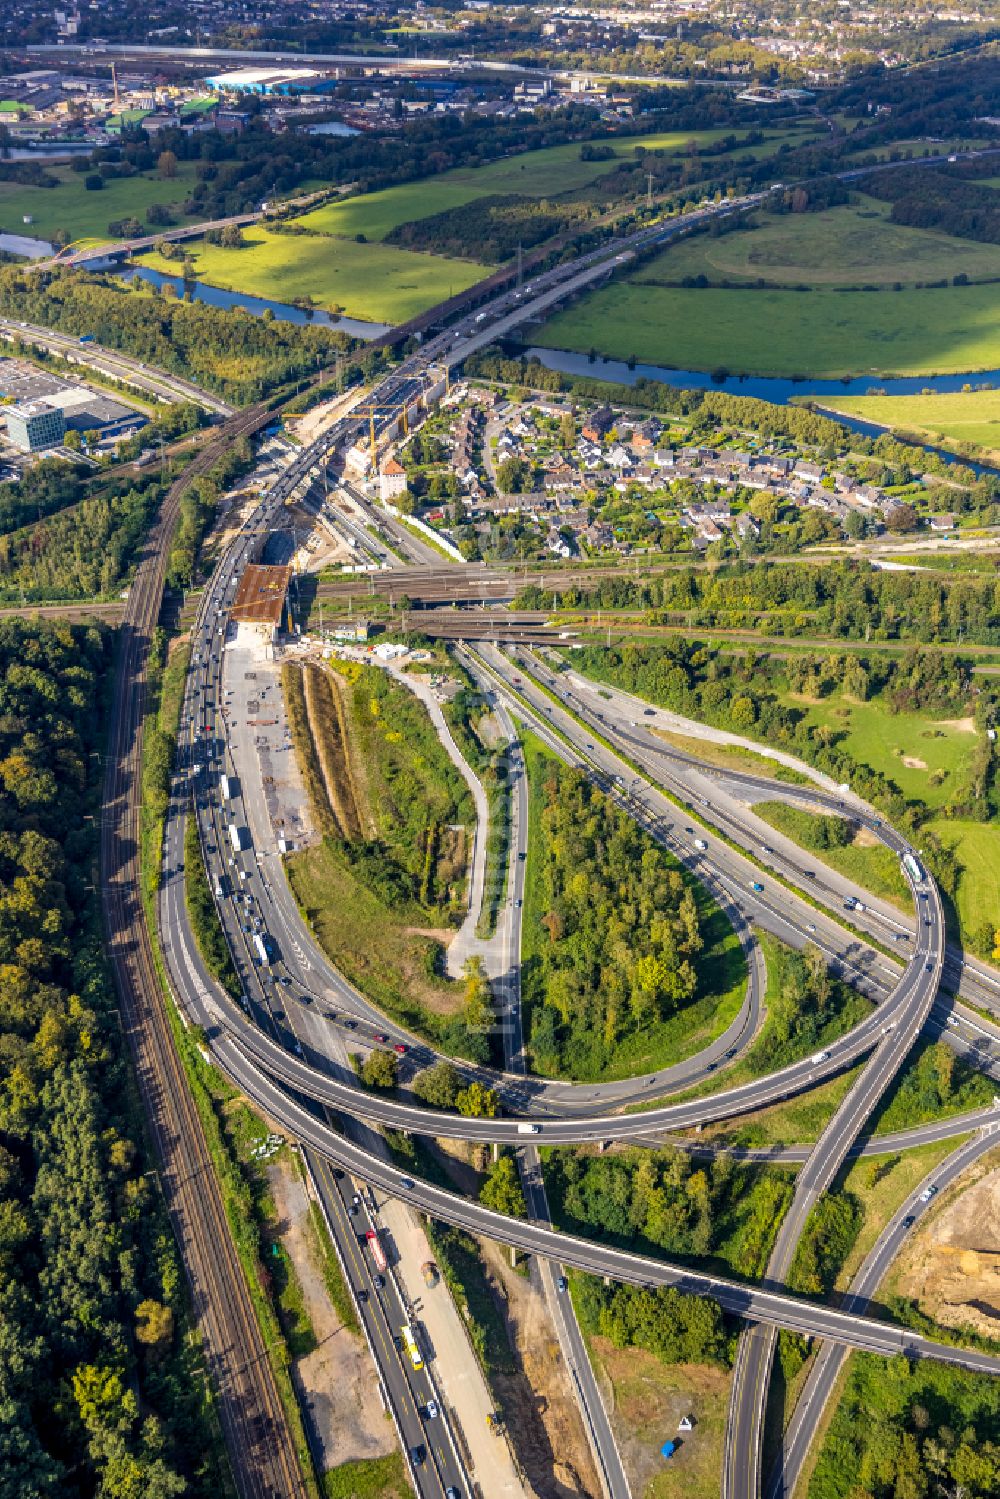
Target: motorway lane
383, 1308
705, 788
157, 383
822, 1377
619, 715
268, 893
753, 1302
503, 964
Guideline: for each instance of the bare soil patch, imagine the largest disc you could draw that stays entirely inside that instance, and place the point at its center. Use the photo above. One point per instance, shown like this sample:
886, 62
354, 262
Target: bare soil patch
336, 1380
952, 1268
913, 762
961, 725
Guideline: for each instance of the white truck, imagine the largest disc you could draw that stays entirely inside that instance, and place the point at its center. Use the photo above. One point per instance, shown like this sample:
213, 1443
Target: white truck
237, 837
700, 844
225, 788
529, 1129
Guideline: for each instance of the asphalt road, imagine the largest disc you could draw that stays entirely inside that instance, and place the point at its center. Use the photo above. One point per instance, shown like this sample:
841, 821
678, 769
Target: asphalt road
822, 1377
156, 383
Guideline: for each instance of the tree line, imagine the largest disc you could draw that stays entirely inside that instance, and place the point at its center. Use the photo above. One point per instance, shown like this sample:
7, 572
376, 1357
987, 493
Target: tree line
847, 600
99, 1390
665, 1202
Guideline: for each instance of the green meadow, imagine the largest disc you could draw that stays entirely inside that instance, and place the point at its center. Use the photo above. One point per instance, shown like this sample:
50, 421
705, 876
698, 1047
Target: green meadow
956, 417
85, 214
551, 171
376, 283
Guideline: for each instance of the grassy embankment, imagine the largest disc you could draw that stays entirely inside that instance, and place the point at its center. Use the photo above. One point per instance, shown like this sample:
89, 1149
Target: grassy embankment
204, 917
721, 965
368, 1478
835, 330
927, 759
871, 864
381, 891
488, 755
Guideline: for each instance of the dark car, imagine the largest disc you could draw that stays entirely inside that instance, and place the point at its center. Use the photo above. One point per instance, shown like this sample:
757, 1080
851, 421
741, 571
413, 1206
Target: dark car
909, 1222
362, 1294
418, 1454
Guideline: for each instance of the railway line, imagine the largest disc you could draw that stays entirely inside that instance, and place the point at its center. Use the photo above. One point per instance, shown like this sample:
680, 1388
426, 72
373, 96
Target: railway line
262, 1452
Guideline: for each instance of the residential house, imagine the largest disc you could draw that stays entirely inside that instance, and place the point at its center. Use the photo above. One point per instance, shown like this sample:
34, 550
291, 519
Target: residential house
598, 424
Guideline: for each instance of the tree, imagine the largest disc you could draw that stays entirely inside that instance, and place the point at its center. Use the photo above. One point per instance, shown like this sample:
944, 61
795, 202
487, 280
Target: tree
477, 1102
901, 518
501, 1191
94, 182
166, 165
478, 997
437, 1085
379, 1069
154, 1324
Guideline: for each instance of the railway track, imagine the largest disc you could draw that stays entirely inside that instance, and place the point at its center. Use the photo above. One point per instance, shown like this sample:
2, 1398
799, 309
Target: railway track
262, 1452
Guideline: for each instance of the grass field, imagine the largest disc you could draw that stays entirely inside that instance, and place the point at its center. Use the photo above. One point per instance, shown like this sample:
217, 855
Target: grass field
825, 334
83, 214
977, 845
650, 1397
534, 174
373, 282
957, 417
828, 332
881, 1198
936, 749
852, 245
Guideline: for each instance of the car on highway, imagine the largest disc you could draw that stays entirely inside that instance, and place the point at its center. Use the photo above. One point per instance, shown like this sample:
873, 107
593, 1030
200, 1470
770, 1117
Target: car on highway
381, 1037
418, 1454
909, 1221
561, 1283
431, 1411
400, 1049
928, 1193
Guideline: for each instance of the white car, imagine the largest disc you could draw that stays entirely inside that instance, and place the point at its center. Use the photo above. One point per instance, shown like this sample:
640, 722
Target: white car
928, 1193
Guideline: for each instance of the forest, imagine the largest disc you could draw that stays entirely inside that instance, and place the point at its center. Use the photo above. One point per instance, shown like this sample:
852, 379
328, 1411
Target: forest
83, 551
622, 943
676, 1328
99, 1393
721, 1211
487, 229
927, 199
240, 356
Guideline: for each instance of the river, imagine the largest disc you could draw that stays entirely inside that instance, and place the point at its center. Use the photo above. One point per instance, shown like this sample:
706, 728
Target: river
767, 388
285, 312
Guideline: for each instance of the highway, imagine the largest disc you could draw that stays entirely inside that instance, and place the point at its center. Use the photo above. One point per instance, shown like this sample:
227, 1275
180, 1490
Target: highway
121, 367
822, 1377
260, 1445
289, 1063
756, 1303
